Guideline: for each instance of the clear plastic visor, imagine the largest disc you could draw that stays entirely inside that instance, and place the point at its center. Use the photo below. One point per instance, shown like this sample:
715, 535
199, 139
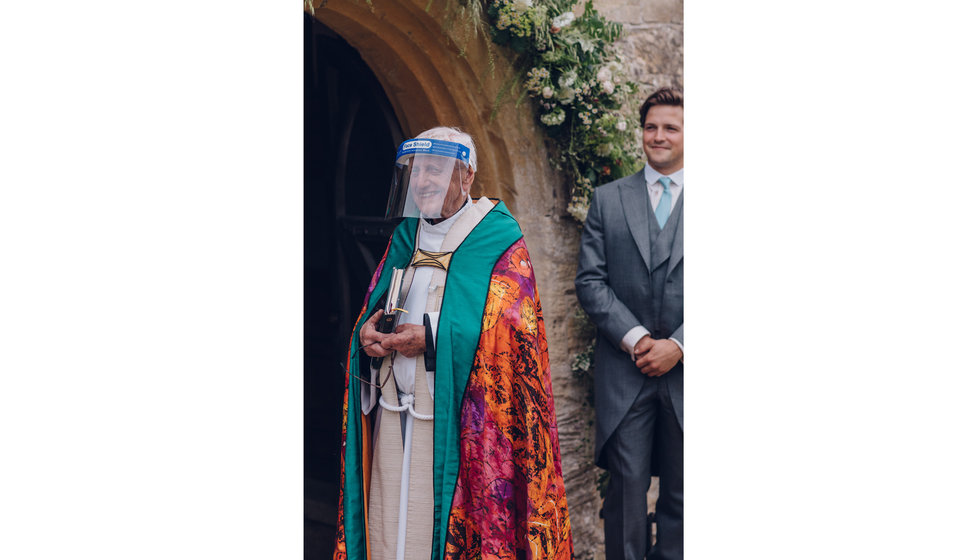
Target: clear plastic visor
426, 185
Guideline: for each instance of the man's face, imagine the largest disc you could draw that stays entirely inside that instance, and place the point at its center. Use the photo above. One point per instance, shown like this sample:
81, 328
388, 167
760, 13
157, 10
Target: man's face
439, 185
663, 138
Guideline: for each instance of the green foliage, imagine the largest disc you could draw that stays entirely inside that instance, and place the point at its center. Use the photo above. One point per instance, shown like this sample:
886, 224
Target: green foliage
577, 79
602, 483
583, 372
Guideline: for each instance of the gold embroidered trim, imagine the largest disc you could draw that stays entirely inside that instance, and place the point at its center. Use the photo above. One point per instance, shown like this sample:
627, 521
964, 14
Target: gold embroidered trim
432, 258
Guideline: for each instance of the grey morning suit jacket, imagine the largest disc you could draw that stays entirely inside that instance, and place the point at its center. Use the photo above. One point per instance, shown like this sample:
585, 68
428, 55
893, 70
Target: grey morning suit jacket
630, 273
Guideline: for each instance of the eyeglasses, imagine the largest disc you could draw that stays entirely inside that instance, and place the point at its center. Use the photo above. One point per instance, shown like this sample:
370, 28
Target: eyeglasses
383, 383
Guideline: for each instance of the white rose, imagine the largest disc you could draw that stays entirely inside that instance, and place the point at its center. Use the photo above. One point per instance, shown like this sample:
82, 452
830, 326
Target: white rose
621, 126
605, 74
562, 20
608, 87
547, 92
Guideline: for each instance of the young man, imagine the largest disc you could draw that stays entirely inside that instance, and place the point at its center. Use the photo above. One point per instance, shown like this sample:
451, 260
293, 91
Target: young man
450, 439
630, 281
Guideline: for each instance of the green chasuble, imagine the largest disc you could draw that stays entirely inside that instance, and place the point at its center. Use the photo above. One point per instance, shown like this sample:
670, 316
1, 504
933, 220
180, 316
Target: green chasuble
467, 284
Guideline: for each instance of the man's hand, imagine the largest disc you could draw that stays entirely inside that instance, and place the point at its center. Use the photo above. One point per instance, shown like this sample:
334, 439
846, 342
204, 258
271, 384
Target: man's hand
371, 338
408, 340
656, 357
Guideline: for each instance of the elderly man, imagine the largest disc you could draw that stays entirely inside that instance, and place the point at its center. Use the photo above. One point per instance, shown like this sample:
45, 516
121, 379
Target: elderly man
450, 446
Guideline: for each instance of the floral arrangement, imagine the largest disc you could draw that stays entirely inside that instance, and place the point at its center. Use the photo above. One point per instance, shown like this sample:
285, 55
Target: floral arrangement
579, 83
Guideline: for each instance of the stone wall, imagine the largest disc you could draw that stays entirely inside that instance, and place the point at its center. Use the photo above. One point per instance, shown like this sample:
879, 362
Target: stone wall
653, 46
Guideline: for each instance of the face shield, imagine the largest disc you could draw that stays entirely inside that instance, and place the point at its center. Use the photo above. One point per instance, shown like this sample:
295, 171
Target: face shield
428, 179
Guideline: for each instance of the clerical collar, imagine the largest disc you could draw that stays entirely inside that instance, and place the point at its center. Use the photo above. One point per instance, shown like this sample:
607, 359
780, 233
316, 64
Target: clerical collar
445, 223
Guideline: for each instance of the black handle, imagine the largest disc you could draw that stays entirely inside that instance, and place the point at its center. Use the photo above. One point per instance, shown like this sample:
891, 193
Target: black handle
386, 324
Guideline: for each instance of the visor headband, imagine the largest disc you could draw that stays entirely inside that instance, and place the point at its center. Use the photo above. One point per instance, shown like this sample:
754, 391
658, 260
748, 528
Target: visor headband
431, 146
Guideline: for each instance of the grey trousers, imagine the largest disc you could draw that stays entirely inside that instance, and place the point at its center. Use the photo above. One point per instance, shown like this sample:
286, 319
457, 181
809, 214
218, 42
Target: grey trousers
649, 429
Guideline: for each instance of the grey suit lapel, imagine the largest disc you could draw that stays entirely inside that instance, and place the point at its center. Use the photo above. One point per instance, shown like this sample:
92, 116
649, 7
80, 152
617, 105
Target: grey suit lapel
636, 201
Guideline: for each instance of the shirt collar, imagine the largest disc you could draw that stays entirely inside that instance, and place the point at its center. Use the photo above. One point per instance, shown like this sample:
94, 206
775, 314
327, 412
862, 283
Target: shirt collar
652, 175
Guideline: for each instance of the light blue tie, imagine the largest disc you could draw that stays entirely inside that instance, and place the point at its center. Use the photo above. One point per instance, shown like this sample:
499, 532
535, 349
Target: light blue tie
663, 209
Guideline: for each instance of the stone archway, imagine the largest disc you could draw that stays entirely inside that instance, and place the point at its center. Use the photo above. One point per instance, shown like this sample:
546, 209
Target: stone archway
427, 79
433, 77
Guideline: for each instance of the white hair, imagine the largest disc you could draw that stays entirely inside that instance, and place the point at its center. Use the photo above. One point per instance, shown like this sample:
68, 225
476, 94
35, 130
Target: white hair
453, 134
